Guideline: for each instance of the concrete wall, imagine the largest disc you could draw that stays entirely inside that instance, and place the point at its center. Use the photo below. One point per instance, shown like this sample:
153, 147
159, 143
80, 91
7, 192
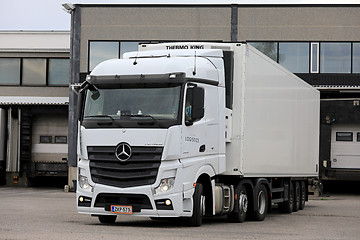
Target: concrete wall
152, 23
299, 23
213, 23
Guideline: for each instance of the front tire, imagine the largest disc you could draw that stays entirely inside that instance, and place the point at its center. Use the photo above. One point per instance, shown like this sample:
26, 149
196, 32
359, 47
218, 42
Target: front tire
198, 206
107, 219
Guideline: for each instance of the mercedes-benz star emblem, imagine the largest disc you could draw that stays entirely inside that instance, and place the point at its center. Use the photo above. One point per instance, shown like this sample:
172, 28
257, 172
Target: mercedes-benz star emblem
123, 152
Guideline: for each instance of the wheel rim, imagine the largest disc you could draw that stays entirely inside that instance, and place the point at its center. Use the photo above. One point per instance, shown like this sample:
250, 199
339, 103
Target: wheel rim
202, 205
243, 203
261, 202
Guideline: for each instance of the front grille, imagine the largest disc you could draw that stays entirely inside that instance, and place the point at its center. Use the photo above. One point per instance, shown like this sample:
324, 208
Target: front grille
137, 201
141, 169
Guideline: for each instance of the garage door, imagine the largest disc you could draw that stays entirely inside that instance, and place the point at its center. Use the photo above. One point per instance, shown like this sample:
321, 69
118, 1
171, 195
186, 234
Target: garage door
345, 146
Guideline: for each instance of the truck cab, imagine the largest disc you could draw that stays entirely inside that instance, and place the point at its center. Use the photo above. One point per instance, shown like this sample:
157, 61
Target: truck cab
151, 125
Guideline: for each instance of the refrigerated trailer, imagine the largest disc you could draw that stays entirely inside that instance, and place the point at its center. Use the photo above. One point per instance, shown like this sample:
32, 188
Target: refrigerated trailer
192, 130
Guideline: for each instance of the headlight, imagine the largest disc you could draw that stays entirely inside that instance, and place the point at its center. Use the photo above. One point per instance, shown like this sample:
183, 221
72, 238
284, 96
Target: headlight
166, 184
84, 183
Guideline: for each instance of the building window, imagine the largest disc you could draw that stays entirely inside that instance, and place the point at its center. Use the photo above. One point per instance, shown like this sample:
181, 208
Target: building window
10, 71
335, 57
356, 57
59, 71
45, 139
344, 136
34, 71
294, 56
268, 48
128, 47
60, 139
100, 51
314, 65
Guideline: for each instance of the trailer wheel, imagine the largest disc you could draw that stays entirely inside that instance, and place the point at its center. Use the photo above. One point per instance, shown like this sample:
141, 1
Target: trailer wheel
241, 205
302, 195
297, 197
198, 206
262, 203
287, 206
108, 219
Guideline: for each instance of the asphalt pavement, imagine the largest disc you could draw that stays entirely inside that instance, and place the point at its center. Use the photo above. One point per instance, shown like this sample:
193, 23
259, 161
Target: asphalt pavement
38, 213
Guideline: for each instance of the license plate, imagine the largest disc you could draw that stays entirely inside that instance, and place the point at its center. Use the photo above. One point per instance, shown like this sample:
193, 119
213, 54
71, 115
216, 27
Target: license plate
121, 209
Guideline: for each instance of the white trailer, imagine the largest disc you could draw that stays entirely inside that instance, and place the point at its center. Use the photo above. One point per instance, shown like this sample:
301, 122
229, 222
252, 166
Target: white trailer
194, 129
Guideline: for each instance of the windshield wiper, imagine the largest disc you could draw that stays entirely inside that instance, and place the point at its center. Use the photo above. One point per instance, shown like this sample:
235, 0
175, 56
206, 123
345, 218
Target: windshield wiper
105, 116
141, 116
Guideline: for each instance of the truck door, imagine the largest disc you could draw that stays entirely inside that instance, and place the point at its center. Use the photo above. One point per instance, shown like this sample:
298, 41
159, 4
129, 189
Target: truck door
345, 146
200, 133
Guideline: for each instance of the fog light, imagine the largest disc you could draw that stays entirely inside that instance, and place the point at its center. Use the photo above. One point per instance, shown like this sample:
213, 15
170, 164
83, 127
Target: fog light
164, 204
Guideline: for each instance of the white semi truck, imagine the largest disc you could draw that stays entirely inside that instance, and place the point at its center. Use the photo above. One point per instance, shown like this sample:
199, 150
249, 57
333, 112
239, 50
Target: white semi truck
192, 130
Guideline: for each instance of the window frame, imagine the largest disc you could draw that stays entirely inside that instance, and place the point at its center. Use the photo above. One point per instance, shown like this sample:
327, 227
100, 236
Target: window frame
309, 55
47, 74
45, 137
337, 138
119, 50
351, 56
56, 139
317, 70
20, 72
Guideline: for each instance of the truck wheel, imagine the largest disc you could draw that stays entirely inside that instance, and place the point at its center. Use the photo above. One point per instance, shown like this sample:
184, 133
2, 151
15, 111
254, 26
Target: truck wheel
297, 197
109, 219
287, 207
262, 203
302, 195
241, 205
198, 206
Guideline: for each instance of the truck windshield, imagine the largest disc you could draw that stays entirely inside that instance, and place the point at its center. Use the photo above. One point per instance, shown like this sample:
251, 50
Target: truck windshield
125, 103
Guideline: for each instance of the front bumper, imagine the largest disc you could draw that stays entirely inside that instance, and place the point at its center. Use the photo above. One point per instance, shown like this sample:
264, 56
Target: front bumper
143, 199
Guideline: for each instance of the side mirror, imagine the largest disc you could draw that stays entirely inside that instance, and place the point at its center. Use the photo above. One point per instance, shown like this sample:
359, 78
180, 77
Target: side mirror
80, 101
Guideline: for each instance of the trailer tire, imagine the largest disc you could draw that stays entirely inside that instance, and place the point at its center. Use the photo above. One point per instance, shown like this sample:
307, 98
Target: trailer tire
241, 205
302, 195
198, 206
108, 219
261, 197
287, 206
297, 196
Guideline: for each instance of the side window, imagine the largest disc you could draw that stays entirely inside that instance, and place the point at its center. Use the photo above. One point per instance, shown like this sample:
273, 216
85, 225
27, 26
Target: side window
188, 104
344, 136
194, 105
358, 137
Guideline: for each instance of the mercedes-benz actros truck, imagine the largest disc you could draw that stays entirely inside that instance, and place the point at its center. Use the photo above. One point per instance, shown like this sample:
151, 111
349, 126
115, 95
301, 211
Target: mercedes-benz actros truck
195, 129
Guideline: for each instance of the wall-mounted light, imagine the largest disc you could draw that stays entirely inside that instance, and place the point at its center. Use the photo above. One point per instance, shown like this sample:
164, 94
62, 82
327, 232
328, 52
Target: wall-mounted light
68, 7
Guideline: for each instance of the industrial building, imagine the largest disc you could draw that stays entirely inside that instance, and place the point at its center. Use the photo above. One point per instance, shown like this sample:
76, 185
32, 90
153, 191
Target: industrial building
34, 98
319, 43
